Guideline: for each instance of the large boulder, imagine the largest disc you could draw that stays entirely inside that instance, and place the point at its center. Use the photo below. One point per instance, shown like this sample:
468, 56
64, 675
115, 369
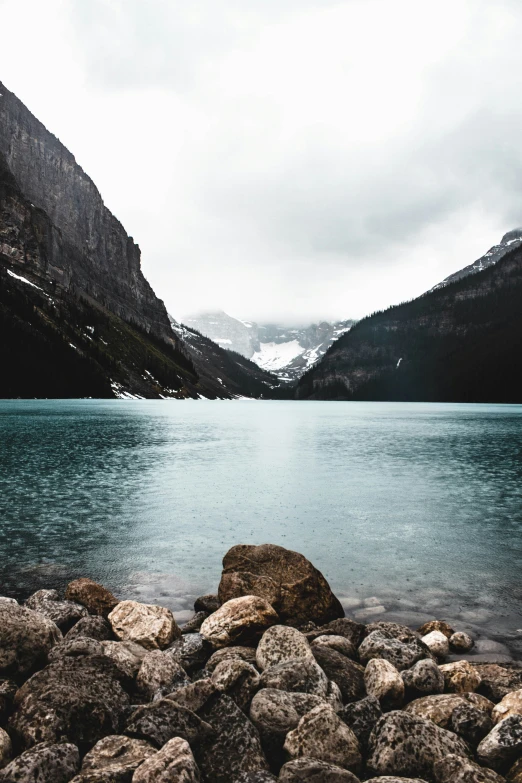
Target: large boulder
26, 639
338, 643
77, 698
503, 745
191, 651
82, 645
311, 770
237, 679
301, 675
159, 674
240, 652
128, 656
238, 621
97, 599
349, 629
470, 723
91, 627
321, 734
347, 674
174, 763
195, 695
287, 580
455, 769
497, 681
424, 678
361, 716
63, 613
117, 756
45, 762
279, 644
164, 719
403, 650
154, 627
402, 744
439, 708
383, 681
460, 677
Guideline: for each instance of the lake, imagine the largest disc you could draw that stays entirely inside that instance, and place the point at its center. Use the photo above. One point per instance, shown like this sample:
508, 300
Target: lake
411, 511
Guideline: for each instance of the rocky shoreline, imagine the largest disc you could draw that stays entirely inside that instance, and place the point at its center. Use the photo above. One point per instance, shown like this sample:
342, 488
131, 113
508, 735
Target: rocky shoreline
267, 681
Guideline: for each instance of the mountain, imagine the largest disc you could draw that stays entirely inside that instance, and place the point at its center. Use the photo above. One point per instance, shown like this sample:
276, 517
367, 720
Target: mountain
77, 316
286, 352
459, 342
509, 241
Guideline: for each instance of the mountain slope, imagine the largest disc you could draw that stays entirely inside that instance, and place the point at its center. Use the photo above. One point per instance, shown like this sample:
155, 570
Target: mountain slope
461, 342
509, 241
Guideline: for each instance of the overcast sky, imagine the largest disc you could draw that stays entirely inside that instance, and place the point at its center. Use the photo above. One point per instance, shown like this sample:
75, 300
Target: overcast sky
285, 160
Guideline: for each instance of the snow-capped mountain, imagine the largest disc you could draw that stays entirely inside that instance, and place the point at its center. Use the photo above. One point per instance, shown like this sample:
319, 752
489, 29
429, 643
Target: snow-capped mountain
509, 241
287, 352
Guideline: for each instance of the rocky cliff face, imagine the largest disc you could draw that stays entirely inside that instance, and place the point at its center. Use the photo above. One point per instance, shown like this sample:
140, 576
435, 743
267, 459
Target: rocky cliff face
88, 251
509, 241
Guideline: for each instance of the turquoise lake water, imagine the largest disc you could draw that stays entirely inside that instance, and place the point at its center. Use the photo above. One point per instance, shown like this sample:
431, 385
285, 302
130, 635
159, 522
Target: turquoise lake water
410, 510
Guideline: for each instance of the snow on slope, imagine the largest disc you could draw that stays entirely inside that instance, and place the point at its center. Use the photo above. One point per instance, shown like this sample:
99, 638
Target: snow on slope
275, 356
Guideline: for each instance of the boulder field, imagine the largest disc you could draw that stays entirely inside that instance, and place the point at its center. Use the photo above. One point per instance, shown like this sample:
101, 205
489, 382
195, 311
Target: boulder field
268, 681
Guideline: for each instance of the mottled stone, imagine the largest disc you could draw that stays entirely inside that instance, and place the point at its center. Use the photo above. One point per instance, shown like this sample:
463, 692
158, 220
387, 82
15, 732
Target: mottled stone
343, 626
279, 644
461, 642
159, 674
8, 690
117, 756
63, 613
81, 645
437, 643
164, 719
394, 779
26, 639
238, 679
401, 650
194, 624
424, 677
302, 675
470, 723
195, 695
511, 704
207, 603
96, 598
515, 773
153, 627
6, 748
436, 625
91, 627
383, 681
503, 744
257, 776
460, 677
311, 770
455, 769
361, 716
338, 643
191, 651
44, 763
347, 674
127, 656
238, 621
437, 708
321, 734
497, 681
247, 654
174, 763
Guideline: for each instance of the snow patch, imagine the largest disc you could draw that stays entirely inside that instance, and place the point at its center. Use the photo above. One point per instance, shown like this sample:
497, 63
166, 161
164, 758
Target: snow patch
275, 356
23, 280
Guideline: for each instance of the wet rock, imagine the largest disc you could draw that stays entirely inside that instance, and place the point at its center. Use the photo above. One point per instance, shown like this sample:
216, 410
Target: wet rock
44, 763
236, 746
279, 644
392, 630
159, 674
26, 639
338, 643
6, 748
153, 627
238, 621
436, 625
403, 650
191, 651
238, 679
75, 648
311, 770
361, 716
503, 745
286, 579
455, 769
302, 675
96, 598
424, 677
8, 690
247, 654
437, 643
461, 642
274, 713
174, 763
344, 627
195, 695
321, 734
77, 698
511, 704
383, 681
63, 613
207, 603
194, 624
403, 744
470, 723
91, 627
460, 677
438, 708
347, 674
117, 756
127, 656
497, 681
164, 719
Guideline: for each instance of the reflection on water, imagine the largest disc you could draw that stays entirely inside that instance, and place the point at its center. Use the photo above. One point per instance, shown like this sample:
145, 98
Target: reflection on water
415, 505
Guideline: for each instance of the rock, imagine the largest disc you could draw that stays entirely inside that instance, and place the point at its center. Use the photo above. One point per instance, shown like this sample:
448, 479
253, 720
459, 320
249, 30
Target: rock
91, 627
436, 625
345, 627
334, 697
311, 770
402, 744
236, 746
78, 698
96, 598
164, 719
279, 644
470, 723
302, 675
383, 681
460, 677
6, 748
511, 704
8, 690
153, 627
393, 779
403, 650
81, 645
127, 656
503, 745
286, 579
63, 613
455, 769
391, 630
238, 621
437, 643
174, 763
322, 735
274, 713
361, 716
515, 773
347, 674
497, 681
117, 756
238, 679
424, 677
159, 674
460, 642
44, 763
247, 654
194, 624
338, 643
438, 708
191, 651
26, 639
259, 776
207, 603
195, 695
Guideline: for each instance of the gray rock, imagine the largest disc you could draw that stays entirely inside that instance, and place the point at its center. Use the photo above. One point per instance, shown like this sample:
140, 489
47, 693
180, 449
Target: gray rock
75, 647
383, 681
236, 746
343, 626
321, 734
117, 756
438, 708
259, 776
127, 656
470, 723
8, 690
338, 643
44, 763
455, 769
402, 744
207, 603
401, 650
63, 613
347, 674
460, 642
334, 697
503, 745
302, 675
393, 779
311, 770
279, 644
159, 674
91, 627
77, 698
174, 763
237, 679
361, 716
6, 748
191, 651
26, 639
95, 597
497, 681
424, 677
195, 695
194, 624
247, 654
164, 719
151, 626
239, 621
